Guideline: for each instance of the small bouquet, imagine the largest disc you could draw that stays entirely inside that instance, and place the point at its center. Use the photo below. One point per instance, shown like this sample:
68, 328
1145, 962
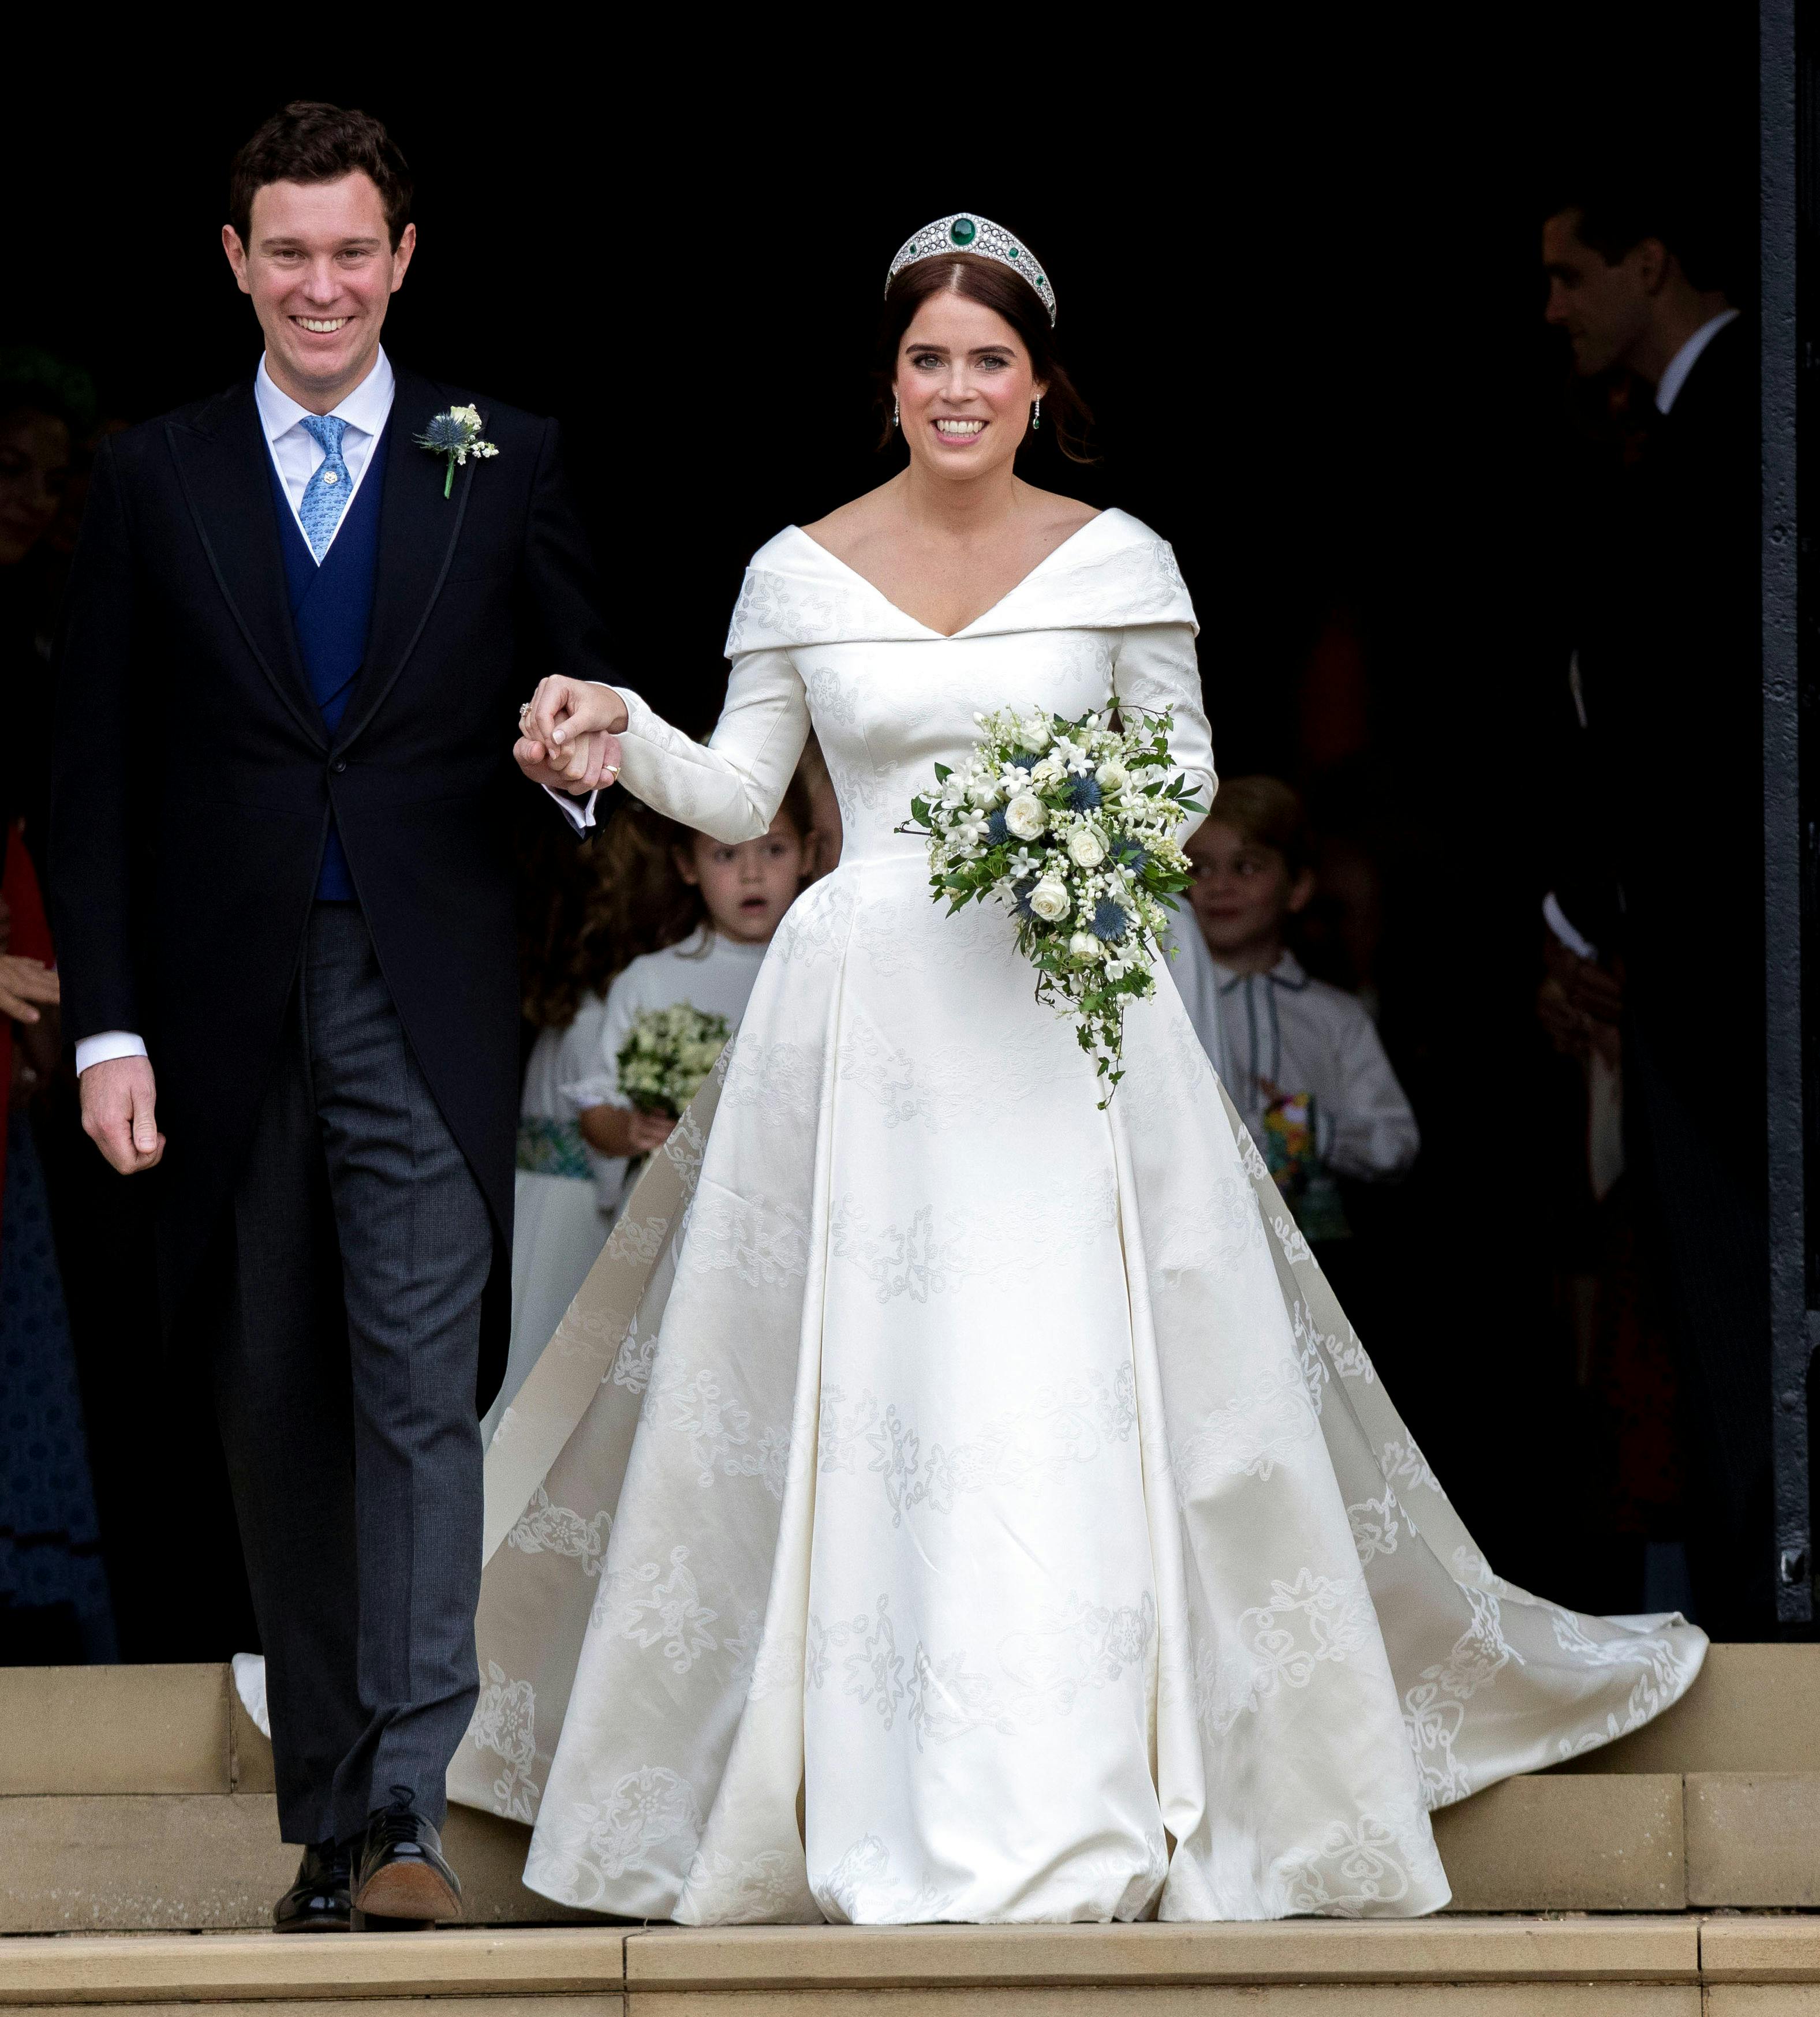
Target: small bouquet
1072, 825
666, 1054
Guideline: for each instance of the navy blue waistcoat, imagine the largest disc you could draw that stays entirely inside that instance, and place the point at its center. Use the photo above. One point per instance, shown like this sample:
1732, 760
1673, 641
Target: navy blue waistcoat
331, 607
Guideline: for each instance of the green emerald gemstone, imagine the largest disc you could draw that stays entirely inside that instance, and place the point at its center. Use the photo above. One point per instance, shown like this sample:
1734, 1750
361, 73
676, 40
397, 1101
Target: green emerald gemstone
963, 231
1015, 253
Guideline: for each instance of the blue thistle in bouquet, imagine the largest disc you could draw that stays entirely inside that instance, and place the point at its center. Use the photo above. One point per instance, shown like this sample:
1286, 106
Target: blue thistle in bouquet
1071, 825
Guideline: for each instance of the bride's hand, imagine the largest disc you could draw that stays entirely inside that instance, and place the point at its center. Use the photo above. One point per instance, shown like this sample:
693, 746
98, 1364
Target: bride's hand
566, 738
561, 709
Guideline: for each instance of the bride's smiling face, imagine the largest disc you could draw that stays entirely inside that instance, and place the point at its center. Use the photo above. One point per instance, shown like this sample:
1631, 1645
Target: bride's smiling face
964, 387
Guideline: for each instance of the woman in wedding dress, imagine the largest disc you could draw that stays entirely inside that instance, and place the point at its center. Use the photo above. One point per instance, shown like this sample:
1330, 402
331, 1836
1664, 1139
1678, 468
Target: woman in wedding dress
947, 1499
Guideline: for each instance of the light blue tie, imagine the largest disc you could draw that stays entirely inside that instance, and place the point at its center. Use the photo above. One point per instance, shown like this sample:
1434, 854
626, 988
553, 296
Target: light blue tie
326, 498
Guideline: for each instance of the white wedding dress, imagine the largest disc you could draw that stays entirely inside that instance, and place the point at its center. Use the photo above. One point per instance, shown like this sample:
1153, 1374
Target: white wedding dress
947, 1500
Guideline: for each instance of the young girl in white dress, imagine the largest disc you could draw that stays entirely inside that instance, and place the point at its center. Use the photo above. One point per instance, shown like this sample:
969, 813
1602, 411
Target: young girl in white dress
712, 909
741, 890
984, 1476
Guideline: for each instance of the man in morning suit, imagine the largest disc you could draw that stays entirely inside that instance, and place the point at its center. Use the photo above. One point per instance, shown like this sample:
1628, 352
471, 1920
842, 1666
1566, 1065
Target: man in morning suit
280, 877
1664, 867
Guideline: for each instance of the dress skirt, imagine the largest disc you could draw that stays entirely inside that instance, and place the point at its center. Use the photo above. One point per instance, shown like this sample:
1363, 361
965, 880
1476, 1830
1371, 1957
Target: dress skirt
947, 1500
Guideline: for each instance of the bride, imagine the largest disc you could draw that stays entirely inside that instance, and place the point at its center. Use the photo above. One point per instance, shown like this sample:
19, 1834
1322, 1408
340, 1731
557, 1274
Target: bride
947, 1499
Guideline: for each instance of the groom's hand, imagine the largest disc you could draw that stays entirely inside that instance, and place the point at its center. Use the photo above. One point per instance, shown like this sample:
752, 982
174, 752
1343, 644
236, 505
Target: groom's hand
586, 764
120, 1099
568, 735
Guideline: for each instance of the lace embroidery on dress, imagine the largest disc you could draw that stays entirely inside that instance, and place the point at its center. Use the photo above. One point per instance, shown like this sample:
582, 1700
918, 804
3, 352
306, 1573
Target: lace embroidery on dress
1257, 1429
1041, 1673
544, 1528
505, 1722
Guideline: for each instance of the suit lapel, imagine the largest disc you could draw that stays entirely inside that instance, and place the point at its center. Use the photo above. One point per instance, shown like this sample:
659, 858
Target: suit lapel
222, 464
419, 528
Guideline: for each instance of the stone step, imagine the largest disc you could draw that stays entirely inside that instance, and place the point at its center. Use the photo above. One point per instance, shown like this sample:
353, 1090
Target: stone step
138, 1799
1466, 1967
1751, 1708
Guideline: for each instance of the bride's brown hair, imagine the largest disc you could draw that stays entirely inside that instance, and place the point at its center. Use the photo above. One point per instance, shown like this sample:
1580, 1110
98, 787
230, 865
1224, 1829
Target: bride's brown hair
995, 286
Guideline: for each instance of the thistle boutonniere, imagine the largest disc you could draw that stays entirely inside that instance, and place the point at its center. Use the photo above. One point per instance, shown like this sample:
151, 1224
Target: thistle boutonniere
455, 436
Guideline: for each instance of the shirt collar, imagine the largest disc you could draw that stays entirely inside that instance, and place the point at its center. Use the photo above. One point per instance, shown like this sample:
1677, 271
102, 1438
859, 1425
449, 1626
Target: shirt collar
1287, 973
1687, 357
365, 409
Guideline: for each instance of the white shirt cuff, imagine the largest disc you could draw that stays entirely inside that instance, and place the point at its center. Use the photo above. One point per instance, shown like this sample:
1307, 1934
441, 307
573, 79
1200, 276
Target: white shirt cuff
579, 815
1562, 925
110, 1044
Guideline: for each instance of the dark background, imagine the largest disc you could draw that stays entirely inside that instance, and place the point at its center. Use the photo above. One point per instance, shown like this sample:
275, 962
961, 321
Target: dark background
1300, 286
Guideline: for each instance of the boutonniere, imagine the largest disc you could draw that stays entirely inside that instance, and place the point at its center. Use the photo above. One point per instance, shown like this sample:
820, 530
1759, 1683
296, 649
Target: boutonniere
455, 436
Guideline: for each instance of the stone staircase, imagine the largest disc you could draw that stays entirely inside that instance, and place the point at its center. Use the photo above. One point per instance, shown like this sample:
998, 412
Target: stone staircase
1664, 1873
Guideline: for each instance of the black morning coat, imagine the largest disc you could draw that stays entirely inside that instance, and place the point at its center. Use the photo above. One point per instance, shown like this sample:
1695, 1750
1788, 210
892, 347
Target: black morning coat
193, 778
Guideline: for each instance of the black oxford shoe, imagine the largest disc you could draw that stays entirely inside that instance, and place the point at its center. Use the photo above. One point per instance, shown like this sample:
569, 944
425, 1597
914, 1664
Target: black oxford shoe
320, 1901
402, 1878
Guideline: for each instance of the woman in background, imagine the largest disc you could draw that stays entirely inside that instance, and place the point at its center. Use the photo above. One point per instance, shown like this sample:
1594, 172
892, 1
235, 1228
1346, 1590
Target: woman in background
55, 1608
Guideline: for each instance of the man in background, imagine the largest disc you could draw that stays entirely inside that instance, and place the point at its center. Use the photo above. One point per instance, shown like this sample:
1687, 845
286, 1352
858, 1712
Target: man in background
1658, 894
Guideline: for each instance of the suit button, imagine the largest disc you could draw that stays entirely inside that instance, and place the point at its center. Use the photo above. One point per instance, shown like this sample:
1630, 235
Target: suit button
340, 764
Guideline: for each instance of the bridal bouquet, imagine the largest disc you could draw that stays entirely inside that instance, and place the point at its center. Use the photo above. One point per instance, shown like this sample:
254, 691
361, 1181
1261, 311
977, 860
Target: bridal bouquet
666, 1054
1072, 825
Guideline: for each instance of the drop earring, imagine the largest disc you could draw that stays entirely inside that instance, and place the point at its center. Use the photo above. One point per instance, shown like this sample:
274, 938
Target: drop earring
1036, 416
894, 422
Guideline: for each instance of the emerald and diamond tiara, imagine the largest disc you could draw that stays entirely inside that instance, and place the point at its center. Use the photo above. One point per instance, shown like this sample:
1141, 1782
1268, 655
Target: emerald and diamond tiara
966, 231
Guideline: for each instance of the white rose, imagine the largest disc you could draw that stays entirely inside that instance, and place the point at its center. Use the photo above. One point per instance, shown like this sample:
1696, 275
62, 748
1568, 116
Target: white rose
1034, 732
1112, 775
1026, 816
1084, 945
1047, 772
1049, 900
1086, 848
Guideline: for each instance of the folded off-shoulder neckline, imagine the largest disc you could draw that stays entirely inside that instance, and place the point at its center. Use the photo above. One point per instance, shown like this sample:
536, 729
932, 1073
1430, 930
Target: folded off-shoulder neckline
897, 609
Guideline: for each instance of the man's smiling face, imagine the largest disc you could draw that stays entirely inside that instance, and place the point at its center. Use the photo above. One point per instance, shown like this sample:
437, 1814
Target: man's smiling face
321, 269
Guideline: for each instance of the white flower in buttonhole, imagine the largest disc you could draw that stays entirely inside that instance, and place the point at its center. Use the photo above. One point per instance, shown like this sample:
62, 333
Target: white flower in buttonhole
1085, 848
1026, 816
1050, 900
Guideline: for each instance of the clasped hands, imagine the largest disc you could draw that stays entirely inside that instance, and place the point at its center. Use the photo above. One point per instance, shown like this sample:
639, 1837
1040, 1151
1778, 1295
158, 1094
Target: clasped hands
568, 735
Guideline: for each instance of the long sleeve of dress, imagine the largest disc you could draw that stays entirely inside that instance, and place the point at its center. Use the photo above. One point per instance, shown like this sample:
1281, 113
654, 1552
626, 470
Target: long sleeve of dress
731, 787
1155, 668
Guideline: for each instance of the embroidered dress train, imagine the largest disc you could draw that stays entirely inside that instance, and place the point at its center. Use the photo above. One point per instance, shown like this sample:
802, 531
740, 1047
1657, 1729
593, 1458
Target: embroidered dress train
991, 1479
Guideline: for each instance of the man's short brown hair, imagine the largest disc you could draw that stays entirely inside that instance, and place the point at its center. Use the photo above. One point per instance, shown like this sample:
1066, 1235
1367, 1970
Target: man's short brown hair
309, 142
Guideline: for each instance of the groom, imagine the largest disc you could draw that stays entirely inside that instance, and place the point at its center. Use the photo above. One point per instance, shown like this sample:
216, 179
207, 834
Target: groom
284, 909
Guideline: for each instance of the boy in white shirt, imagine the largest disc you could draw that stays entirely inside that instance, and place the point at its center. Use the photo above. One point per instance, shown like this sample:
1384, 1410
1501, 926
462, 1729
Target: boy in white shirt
1305, 1066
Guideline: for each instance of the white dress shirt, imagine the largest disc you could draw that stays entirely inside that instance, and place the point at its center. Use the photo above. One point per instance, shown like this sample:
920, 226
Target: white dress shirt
1685, 358
297, 453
